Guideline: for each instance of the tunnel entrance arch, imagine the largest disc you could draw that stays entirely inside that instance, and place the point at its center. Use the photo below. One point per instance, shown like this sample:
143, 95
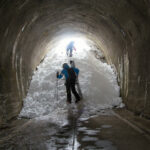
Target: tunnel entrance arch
120, 29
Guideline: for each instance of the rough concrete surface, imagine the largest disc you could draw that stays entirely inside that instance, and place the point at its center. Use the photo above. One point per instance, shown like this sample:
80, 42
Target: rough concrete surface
105, 131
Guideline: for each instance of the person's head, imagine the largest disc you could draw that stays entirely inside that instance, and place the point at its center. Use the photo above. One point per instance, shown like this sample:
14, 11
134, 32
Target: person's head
65, 66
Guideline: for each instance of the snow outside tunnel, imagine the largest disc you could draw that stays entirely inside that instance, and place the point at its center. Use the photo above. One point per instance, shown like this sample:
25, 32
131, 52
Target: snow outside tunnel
97, 79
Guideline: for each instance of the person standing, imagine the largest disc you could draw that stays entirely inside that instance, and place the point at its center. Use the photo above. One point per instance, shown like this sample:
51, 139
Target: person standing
70, 48
70, 75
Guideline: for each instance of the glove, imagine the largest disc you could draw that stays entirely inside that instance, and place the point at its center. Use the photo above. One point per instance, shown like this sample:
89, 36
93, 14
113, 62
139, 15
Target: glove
57, 74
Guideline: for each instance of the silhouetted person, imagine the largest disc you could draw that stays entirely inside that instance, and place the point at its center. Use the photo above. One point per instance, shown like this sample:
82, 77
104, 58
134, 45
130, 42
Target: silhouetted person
70, 77
70, 48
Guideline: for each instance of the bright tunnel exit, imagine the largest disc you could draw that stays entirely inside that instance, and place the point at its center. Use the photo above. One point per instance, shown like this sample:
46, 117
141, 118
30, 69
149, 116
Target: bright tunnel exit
97, 79
79, 42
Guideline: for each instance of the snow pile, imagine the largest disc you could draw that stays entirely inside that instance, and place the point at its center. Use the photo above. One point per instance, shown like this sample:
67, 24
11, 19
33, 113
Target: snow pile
97, 80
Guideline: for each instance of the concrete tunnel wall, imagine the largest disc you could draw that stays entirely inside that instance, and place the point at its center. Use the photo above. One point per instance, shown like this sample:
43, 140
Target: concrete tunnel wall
119, 28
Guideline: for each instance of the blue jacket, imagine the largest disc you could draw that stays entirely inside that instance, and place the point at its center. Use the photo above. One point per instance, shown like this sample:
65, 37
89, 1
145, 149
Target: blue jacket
64, 72
70, 46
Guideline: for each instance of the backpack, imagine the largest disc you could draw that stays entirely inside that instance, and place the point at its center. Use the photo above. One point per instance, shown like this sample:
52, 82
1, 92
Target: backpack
72, 75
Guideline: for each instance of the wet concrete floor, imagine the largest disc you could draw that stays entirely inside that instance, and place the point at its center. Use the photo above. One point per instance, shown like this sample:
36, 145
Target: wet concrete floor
103, 132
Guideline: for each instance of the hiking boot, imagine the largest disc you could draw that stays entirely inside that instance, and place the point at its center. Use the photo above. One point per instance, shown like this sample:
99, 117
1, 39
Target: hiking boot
69, 101
77, 101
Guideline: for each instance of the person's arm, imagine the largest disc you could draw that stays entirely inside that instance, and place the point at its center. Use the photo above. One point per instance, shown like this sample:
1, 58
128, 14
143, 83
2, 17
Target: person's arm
74, 48
59, 76
76, 70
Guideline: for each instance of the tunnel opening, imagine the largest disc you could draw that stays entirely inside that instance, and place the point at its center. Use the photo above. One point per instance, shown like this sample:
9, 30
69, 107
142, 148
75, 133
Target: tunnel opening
98, 81
28, 26
117, 32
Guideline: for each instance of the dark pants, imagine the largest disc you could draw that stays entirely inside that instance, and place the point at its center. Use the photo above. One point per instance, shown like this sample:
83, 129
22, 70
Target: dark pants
71, 87
69, 51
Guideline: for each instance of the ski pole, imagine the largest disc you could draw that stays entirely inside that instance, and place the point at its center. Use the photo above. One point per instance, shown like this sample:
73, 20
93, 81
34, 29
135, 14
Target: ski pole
56, 88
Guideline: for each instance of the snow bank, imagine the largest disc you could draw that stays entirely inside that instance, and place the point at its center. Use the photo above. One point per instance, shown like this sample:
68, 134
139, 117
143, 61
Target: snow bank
97, 80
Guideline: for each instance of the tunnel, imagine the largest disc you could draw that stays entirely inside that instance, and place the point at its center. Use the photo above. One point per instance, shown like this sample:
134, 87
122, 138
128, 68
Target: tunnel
29, 29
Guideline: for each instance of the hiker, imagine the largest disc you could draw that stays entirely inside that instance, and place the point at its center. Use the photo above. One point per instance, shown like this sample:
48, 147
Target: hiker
70, 77
70, 48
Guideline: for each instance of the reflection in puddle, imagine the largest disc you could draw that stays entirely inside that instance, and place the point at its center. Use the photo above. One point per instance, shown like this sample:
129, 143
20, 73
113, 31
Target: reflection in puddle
106, 126
87, 138
91, 132
106, 145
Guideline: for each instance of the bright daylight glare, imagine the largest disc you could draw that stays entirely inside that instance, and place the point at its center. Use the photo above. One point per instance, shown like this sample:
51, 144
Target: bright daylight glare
79, 43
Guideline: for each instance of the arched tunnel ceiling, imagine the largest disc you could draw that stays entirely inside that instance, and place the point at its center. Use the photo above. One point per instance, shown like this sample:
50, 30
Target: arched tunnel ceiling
119, 28
50, 17
50, 20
